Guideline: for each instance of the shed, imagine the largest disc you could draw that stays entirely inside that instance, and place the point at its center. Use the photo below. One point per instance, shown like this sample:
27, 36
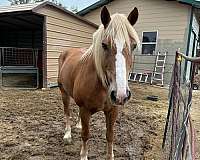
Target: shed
163, 26
32, 38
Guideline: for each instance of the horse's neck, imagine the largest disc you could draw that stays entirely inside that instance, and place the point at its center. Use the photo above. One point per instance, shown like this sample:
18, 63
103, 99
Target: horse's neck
90, 71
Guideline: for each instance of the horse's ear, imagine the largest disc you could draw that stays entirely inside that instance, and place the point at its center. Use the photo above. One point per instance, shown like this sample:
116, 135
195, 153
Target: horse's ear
105, 16
133, 16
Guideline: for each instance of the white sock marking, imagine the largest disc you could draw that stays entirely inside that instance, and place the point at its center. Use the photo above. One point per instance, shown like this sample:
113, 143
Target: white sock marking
79, 125
84, 151
67, 133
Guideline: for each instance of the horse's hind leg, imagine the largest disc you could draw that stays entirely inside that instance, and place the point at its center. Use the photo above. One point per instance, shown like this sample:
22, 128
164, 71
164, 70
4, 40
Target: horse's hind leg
66, 99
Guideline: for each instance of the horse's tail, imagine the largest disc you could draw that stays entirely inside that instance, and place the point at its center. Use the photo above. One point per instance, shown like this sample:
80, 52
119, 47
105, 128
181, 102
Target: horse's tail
61, 60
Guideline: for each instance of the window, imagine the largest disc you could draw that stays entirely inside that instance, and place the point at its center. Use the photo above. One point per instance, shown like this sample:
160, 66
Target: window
149, 40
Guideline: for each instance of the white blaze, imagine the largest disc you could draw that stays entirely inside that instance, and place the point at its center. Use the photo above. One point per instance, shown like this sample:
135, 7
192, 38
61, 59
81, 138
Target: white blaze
120, 69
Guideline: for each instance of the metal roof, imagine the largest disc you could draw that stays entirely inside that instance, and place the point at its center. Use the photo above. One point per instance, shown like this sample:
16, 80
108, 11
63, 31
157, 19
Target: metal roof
195, 3
33, 7
93, 7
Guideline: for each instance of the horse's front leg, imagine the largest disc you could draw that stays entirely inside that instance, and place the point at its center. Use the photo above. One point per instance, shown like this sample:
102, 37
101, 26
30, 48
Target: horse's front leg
111, 117
78, 125
85, 118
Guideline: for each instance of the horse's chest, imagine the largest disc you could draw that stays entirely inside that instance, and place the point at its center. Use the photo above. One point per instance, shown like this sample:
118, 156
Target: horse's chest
94, 101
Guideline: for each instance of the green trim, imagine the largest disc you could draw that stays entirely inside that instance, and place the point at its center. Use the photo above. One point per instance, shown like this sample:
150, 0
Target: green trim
188, 42
94, 6
191, 2
190, 30
100, 3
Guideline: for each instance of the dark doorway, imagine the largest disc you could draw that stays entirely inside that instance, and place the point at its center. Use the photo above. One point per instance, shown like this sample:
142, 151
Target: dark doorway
21, 44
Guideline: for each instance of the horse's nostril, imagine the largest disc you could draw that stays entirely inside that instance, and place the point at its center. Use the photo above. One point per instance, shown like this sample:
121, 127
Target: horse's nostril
113, 96
128, 94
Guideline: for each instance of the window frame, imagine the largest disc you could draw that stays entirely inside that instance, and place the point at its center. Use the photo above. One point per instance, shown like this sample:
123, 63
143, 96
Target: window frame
150, 42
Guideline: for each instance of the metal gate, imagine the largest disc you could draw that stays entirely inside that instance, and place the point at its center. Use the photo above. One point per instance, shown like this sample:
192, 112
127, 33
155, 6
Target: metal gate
179, 141
18, 67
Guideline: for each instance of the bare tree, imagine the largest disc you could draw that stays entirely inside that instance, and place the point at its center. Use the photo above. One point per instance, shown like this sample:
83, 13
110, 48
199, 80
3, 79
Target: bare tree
74, 9
15, 2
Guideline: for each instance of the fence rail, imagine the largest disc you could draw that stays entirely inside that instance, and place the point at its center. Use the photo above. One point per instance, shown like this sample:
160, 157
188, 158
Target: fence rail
11, 56
18, 67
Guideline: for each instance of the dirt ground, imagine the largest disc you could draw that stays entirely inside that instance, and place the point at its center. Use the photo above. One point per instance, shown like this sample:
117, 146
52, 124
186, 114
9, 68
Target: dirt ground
196, 120
32, 126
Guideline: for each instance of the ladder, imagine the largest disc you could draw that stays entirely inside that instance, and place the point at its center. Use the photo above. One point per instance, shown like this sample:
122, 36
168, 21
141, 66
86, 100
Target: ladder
159, 68
139, 77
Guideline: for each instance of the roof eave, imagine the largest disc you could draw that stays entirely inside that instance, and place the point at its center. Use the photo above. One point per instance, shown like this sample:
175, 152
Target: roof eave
65, 11
191, 2
104, 2
93, 7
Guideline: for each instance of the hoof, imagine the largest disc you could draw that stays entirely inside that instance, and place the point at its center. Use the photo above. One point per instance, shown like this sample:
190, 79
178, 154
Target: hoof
67, 138
84, 158
67, 141
110, 157
78, 125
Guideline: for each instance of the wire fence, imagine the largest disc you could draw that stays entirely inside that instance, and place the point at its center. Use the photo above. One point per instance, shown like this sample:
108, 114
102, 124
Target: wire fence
18, 67
178, 141
11, 56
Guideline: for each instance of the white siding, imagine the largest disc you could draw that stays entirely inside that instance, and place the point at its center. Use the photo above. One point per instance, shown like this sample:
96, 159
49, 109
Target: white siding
63, 31
169, 18
193, 43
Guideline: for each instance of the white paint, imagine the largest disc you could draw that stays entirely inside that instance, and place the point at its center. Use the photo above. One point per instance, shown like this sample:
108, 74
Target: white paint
67, 135
120, 70
195, 25
193, 44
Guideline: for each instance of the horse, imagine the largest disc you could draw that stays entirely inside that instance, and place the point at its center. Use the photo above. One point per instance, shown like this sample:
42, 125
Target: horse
97, 78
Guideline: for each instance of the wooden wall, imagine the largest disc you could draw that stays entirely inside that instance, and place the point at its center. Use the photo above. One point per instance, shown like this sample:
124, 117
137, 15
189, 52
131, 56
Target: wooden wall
171, 20
63, 31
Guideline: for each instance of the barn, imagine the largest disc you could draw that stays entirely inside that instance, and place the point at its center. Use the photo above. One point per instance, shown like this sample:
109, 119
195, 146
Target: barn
32, 37
163, 26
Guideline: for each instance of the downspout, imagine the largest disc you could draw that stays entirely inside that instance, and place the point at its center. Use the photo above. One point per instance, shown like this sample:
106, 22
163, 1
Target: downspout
188, 41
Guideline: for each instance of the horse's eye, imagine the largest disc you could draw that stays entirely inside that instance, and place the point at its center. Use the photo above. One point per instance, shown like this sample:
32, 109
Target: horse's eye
105, 46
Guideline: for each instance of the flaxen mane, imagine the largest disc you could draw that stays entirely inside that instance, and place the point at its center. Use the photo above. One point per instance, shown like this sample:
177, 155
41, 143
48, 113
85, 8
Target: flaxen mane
119, 29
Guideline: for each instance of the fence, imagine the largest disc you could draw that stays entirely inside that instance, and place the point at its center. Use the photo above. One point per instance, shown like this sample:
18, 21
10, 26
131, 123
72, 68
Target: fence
18, 67
178, 141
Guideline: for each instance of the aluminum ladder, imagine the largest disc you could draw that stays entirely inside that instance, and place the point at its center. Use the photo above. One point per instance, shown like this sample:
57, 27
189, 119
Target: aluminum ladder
159, 68
139, 77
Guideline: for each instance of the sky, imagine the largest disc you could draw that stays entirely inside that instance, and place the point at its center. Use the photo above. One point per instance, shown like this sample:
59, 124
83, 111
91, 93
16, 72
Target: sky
68, 3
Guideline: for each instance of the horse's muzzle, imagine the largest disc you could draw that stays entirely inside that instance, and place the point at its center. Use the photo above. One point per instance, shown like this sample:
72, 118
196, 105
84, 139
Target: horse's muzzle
120, 100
